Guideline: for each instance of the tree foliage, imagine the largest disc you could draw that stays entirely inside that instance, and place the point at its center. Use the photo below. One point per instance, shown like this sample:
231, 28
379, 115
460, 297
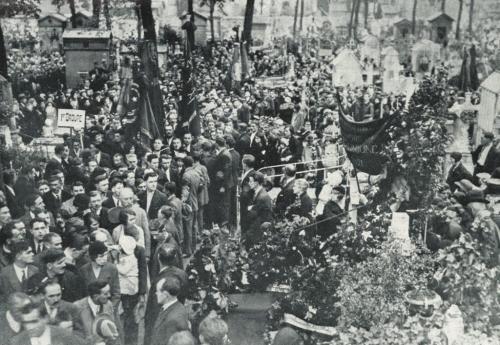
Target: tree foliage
10, 8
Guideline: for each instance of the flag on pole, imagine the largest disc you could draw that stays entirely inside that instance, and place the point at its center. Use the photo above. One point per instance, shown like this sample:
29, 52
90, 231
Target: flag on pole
148, 127
188, 104
149, 59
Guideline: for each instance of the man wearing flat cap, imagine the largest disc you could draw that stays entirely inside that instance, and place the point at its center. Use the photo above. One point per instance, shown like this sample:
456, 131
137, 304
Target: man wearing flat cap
457, 171
485, 156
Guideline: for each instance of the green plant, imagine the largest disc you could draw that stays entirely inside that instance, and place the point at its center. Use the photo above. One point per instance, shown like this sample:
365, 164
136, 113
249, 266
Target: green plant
372, 293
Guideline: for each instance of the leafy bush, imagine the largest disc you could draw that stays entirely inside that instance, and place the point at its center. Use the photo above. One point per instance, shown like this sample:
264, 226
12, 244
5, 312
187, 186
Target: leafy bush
372, 293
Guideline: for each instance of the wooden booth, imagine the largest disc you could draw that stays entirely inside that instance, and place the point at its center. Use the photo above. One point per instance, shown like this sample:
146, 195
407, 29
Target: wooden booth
50, 30
82, 49
441, 24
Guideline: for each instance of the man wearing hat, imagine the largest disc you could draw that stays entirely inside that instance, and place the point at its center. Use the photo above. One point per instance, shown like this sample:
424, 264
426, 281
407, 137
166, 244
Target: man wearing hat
485, 156
457, 171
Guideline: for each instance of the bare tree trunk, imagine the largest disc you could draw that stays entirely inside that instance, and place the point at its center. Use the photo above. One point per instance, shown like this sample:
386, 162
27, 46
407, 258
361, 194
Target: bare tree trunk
471, 15
211, 19
72, 9
414, 17
295, 17
96, 13
190, 34
356, 18
301, 15
148, 21
139, 19
3, 55
247, 24
459, 18
443, 5
107, 16
351, 20
366, 12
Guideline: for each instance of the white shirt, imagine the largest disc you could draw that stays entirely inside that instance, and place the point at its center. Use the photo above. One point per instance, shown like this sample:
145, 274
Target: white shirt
14, 325
19, 272
484, 153
44, 339
166, 305
93, 307
117, 201
149, 197
97, 270
52, 312
11, 189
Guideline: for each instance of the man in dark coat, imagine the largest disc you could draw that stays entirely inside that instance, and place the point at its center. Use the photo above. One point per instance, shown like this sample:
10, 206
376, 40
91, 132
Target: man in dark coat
485, 156
58, 162
167, 256
221, 182
173, 316
54, 198
152, 199
286, 196
457, 171
260, 210
246, 193
235, 170
14, 277
330, 220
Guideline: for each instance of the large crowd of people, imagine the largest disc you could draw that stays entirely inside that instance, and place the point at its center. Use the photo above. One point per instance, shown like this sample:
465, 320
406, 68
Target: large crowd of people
95, 237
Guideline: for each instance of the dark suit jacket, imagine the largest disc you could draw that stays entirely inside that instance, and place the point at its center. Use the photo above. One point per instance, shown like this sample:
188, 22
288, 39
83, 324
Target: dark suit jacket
221, 164
157, 201
285, 197
235, 165
105, 161
52, 204
243, 144
58, 336
246, 197
108, 273
13, 203
173, 319
103, 219
109, 203
53, 165
329, 220
260, 212
64, 307
5, 258
456, 174
489, 164
9, 282
152, 306
305, 208
24, 187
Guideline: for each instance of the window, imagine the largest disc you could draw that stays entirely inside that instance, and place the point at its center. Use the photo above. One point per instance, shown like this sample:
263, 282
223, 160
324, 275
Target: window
86, 44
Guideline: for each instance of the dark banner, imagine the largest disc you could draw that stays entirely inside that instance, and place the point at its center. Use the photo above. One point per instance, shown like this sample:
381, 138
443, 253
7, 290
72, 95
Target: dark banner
149, 56
362, 142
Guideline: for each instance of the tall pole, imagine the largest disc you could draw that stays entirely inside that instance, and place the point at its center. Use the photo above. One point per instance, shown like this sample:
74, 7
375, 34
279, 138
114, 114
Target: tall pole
295, 19
471, 14
190, 33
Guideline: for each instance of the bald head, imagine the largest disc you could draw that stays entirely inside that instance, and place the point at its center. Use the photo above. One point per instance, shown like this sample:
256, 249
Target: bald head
127, 197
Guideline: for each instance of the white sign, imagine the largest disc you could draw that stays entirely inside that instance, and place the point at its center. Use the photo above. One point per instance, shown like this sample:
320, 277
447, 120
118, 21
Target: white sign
71, 118
400, 225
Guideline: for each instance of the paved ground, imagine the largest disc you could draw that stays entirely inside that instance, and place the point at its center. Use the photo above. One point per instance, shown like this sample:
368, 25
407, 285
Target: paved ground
247, 322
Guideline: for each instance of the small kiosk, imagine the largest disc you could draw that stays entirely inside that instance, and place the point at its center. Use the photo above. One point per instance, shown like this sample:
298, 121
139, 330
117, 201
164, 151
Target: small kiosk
82, 49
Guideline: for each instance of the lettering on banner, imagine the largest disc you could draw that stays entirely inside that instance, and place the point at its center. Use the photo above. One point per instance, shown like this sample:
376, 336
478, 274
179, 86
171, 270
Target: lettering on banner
71, 118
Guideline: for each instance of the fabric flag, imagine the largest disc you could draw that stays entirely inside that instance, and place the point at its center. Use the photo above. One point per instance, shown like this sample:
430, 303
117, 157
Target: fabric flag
148, 127
188, 104
474, 79
149, 60
362, 140
236, 67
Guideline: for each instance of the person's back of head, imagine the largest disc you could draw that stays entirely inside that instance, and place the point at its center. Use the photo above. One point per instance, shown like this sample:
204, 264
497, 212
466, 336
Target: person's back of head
167, 255
287, 336
213, 331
